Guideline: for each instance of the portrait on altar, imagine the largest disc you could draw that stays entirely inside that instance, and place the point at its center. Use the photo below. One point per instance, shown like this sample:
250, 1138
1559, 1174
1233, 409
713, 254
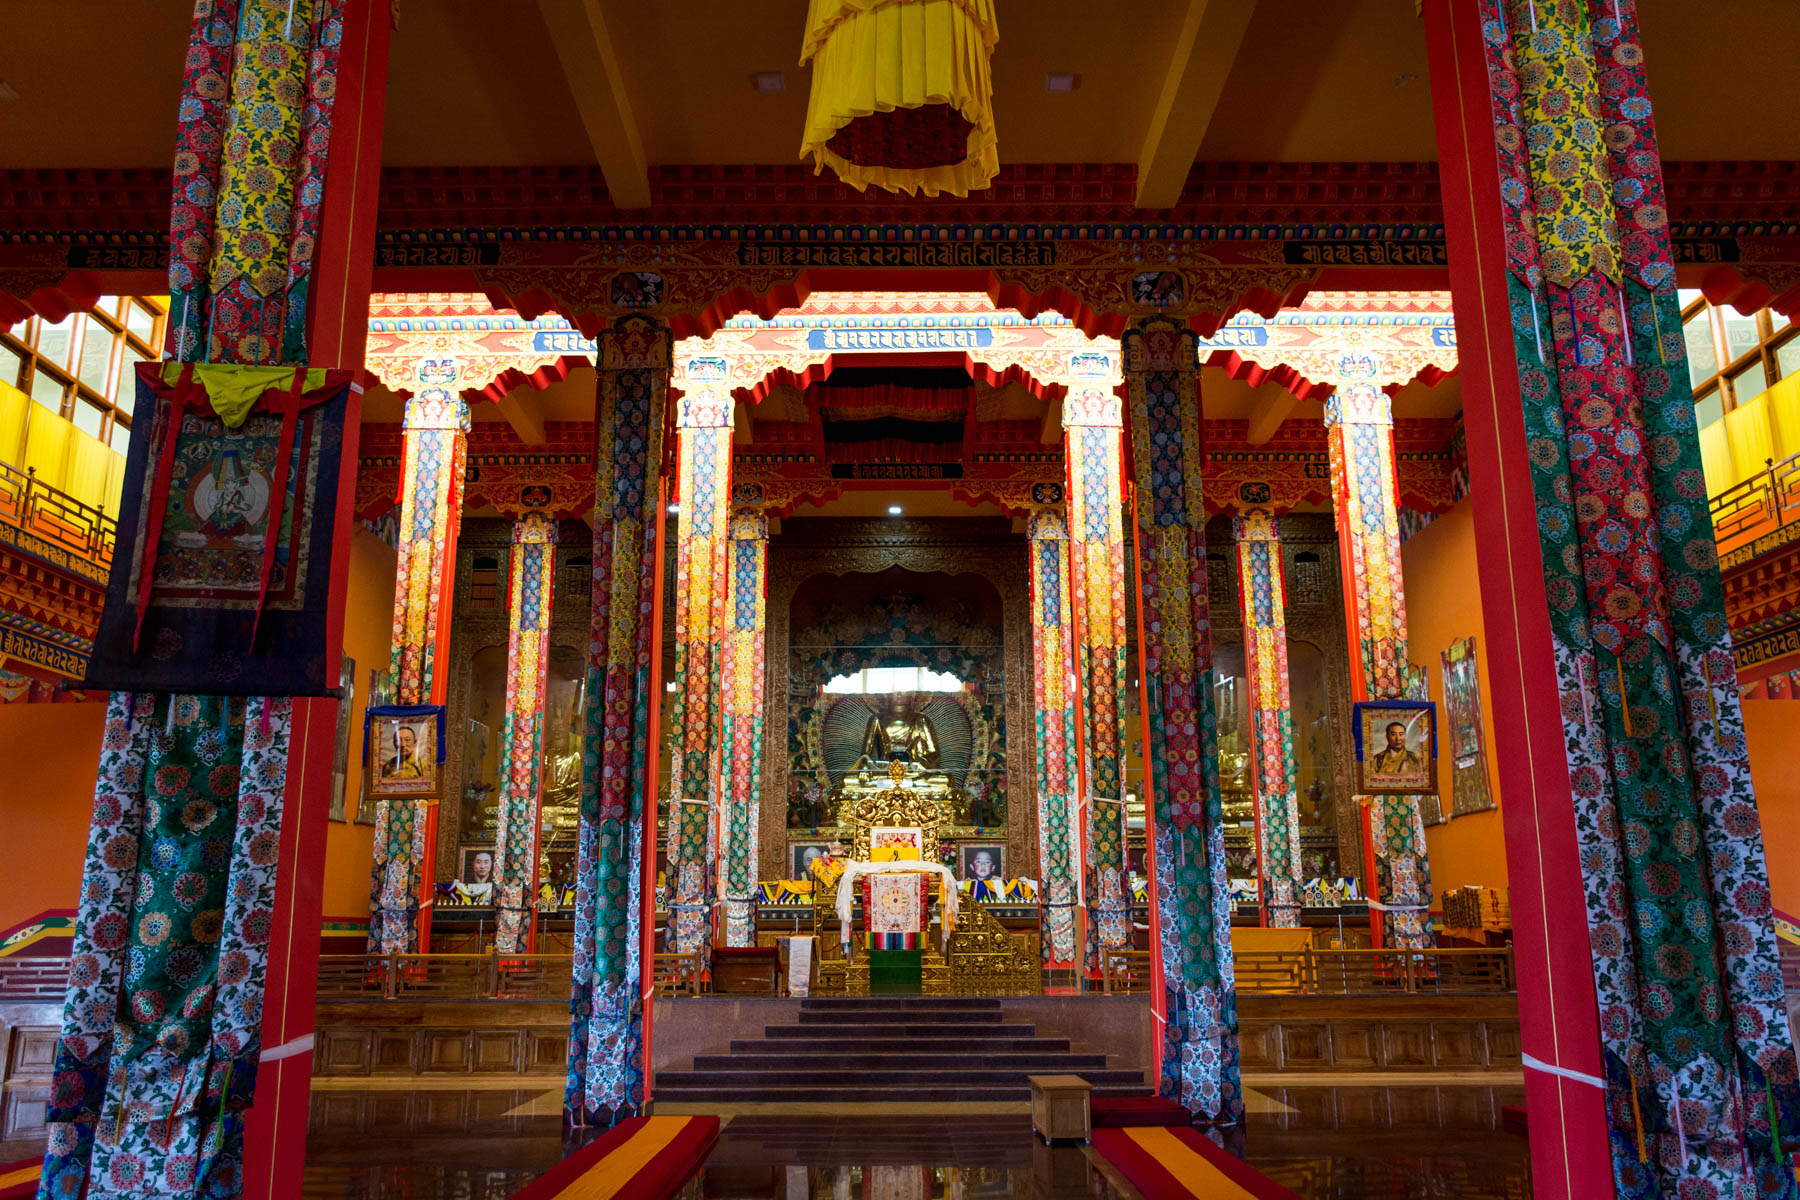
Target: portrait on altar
802, 856
1396, 746
475, 876
981, 862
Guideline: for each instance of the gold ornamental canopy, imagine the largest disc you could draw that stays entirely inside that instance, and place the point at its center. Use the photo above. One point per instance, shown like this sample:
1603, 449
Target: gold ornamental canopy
901, 95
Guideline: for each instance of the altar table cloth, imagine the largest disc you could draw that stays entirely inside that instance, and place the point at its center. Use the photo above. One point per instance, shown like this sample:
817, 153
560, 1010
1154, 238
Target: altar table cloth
896, 910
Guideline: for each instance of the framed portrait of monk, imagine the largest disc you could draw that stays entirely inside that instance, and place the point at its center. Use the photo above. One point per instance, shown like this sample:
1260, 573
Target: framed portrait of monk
403, 749
1396, 747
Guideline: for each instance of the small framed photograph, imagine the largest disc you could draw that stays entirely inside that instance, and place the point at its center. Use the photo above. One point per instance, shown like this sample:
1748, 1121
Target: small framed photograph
475, 874
1396, 747
981, 861
801, 856
403, 748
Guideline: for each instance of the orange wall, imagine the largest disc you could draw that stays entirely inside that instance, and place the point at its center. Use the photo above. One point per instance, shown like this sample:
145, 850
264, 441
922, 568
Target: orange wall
368, 625
1443, 605
1773, 729
46, 799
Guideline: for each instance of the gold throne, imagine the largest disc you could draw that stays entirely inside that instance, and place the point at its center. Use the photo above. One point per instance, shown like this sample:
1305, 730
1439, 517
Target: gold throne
895, 806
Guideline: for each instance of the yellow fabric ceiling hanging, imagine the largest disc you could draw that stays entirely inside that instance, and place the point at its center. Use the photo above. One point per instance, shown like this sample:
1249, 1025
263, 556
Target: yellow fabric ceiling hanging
901, 95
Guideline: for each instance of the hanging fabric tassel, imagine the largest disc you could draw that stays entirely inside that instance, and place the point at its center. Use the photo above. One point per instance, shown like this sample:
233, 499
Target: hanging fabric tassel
1500, 15
1737, 1111
1774, 1122
1637, 1121
1537, 330
288, 29
1624, 704
1625, 324
130, 710
1662, 355
1675, 1115
169, 721
1531, 6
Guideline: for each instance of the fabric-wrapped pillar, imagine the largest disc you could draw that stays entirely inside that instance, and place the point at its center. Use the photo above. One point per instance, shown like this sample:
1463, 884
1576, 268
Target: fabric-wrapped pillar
703, 486
1264, 606
1359, 423
1092, 426
1658, 1044
193, 968
745, 637
1059, 839
1191, 916
608, 1033
522, 733
431, 476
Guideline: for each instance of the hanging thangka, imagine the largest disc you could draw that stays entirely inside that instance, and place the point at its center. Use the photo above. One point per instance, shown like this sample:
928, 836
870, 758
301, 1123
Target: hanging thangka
223, 569
1462, 711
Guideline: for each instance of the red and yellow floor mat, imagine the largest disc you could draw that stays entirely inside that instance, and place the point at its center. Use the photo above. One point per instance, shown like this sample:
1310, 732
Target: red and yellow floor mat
644, 1158
20, 1179
1167, 1163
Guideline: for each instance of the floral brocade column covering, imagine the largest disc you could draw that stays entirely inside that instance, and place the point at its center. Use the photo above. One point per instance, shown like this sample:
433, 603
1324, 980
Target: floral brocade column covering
1059, 841
161, 1031
1264, 606
703, 425
1700, 1071
1359, 425
745, 637
1092, 420
522, 735
431, 476
606, 1037
1199, 1001
162, 1026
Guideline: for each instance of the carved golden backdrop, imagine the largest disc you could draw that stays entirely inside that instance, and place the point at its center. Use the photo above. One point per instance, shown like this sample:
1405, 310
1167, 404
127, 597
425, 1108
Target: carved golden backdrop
940, 558
859, 629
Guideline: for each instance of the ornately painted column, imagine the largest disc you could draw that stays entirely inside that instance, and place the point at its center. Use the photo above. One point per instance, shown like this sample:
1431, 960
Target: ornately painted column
1657, 1046
1264, 601
703, 427
1196, 1002
1059, 837
1359, 422
431, 476
522, 734
745, 638
608, 1030
1092, 424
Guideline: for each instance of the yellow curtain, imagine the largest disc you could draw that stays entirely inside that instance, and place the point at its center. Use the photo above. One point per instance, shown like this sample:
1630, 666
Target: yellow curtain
31, 436
1783, 404
1747, 429
1715, 458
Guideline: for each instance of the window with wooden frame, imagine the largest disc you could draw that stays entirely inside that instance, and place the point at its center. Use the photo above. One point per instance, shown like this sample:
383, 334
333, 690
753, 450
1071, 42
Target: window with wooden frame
81, 367
1733, 358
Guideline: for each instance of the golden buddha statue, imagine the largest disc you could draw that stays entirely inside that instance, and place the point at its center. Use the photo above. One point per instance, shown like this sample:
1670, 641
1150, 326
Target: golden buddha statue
897, 734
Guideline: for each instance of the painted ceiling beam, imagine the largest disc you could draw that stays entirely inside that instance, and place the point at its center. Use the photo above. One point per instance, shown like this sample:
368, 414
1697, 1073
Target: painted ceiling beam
1199, 61
590, 63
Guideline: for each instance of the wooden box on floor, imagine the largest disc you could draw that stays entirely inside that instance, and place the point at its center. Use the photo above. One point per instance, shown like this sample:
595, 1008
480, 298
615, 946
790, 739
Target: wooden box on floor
745, 971
1059, 1106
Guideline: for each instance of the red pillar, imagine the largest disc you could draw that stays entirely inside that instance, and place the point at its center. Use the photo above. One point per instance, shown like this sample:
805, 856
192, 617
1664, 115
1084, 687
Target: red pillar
338, 326
1558, 1014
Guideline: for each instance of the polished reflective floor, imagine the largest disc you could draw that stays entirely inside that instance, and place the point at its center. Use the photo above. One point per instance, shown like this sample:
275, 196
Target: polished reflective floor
1341, 1143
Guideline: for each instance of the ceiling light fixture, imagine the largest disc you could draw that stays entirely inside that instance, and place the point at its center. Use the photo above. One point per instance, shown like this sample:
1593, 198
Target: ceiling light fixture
893, 510
1061, 81
769, 81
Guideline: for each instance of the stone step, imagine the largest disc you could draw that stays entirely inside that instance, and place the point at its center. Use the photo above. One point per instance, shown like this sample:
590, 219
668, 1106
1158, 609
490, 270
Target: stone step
864, 1092
900, 1030
1037, 1063
889, 1077
961, 1046
909, 1016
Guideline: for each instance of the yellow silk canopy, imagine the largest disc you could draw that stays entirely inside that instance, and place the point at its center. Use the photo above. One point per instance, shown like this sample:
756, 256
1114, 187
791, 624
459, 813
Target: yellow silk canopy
901, 95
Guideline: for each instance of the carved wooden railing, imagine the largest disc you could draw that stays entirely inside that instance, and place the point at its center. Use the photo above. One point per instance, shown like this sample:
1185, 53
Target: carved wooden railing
1310, 972
491, 976
54, 515
1770, 498
33, 980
